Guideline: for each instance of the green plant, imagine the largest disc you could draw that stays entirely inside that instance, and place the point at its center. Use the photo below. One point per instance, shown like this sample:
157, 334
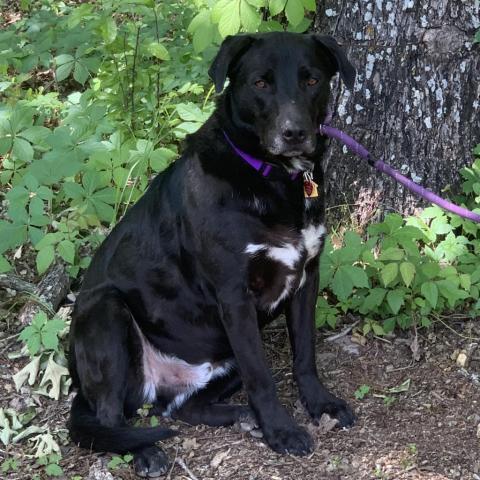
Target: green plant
10, 465
407, 271
42, 334
119, 462
50, 464
361, 392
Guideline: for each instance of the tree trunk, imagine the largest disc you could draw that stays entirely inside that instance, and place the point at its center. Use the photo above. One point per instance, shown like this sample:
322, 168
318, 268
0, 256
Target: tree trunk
416, 100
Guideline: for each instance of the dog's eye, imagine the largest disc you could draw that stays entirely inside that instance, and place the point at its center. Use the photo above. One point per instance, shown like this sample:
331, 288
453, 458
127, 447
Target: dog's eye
261, 84
312, 81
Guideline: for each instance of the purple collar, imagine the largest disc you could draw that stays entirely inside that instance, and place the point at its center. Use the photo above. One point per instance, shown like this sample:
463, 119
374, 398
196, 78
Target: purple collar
259, 165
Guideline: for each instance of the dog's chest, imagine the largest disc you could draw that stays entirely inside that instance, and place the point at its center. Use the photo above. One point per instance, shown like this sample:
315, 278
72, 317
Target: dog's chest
276, 266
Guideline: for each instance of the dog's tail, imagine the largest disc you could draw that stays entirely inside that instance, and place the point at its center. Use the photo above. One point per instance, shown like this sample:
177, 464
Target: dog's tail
87, 432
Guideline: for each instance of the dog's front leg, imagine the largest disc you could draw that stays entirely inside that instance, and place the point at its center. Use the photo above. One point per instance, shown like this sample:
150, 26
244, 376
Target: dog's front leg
300, 313
280, 430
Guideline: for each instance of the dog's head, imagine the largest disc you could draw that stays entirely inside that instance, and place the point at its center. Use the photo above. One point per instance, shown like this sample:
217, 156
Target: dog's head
279, 87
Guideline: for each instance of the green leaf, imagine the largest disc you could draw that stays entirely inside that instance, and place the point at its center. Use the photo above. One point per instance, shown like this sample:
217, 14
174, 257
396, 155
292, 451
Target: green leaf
430, 291
4, 265
407, 271
372, 300
66, 249
22, 150
361, 392
392, 253
276, 6
158, 50
11, 235
440, 225
108, 29
389, 273
229, 23
342, 285
80, 73
54, 470
249, 17
357, 275
309, 5
395, 299
45, 258
63, 71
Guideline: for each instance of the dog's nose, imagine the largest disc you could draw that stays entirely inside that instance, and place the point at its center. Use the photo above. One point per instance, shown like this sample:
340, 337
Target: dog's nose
294, 135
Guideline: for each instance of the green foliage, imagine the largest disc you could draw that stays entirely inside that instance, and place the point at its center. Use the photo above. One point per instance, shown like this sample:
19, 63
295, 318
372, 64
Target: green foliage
98, 96
42, 334
361, 392
119, 462
50, 465
407, 270
10, 465
217, 19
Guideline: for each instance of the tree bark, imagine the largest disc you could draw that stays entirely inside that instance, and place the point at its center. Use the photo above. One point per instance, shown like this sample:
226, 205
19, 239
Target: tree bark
416, 100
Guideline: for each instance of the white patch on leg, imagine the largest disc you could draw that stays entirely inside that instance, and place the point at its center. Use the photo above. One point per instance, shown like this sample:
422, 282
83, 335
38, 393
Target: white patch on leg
312, 239
289, 279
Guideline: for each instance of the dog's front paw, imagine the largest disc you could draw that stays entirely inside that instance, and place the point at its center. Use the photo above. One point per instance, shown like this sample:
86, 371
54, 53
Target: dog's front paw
294, 440
335, 407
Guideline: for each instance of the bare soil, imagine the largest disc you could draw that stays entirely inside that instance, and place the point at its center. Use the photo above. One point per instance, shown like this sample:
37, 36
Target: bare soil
430, 431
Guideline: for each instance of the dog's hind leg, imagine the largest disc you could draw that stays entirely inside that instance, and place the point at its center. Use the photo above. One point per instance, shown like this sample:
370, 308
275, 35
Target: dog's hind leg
205, 406
103, 349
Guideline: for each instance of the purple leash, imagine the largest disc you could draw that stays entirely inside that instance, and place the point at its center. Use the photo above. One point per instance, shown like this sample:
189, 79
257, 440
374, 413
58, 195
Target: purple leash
362, 152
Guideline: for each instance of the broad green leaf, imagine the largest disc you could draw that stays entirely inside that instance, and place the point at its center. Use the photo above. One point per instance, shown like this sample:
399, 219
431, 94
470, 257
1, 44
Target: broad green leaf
80, 72
342, 284
108, 29
249, 17
54, 470
440, 225
4, 265
45, 258
407, 271
430, 292
395, 299
22, 150
373, 299
63, 71
309, 5
11, 235
66, 249
276, 6
389, 273
357, 275
203, 37
158, 51
392, 254
229, 23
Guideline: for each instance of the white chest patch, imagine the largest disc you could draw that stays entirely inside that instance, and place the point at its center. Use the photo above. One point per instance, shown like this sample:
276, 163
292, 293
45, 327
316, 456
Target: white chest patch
287, 254
313, 239
290, 255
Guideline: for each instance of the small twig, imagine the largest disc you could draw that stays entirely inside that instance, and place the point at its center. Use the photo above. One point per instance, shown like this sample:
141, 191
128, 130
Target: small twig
182, 464
173, 463
344, 332
466, 337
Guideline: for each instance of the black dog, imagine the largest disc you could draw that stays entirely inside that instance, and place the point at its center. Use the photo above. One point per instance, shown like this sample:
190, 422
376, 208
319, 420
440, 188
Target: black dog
172, 305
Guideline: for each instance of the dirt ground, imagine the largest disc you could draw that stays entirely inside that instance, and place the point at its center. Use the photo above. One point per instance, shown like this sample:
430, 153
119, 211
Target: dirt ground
430, 431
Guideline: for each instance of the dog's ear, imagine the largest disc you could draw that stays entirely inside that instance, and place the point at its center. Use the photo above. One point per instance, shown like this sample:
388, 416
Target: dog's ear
232, 48
344, 67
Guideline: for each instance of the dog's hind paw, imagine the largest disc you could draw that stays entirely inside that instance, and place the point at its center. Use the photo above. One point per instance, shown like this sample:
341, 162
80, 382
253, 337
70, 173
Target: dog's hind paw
150, 462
